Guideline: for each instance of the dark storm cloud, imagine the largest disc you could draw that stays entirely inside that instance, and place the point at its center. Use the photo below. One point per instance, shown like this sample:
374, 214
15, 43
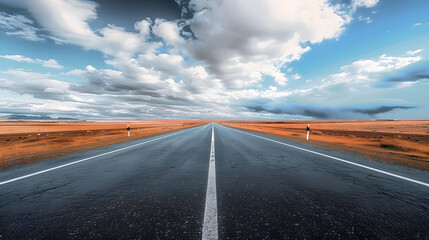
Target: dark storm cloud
380, 109
329, 113
125, 13
36, 117
105, 82
411, 77
165, 100
16, 113
314, 113
117, 89
41, 89
257, 108
187, 12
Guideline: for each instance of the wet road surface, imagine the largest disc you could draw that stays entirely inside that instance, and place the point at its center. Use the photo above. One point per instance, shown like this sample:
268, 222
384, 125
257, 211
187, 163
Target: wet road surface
158, 189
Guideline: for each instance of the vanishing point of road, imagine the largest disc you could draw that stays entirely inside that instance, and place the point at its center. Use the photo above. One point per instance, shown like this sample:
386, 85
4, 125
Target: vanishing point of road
213, 182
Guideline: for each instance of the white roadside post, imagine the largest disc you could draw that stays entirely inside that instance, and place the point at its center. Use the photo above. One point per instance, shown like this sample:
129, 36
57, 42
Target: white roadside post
308, 131
128, 129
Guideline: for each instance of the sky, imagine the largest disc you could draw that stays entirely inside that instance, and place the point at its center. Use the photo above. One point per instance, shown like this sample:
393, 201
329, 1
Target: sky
199, 59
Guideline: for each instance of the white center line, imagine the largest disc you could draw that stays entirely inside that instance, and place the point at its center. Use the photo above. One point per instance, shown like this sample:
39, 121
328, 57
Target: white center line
86, 159
341, 160
210, 212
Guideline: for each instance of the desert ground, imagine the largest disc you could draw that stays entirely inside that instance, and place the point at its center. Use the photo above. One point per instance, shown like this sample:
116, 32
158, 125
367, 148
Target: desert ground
398, 142
29, 141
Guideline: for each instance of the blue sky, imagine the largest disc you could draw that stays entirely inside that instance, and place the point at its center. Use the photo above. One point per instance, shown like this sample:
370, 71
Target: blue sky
236, 59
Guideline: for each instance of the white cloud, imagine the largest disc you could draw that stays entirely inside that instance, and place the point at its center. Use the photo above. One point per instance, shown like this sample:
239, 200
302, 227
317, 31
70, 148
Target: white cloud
20, 73
365, 19
415, 52
19, 25
296, 76
67, 22
115, 41
364, 3
367, 71
236, 46
169, 31
36, 84
143, 27
65, 19
51, 63
242, 40
157, 72
365, 82
18, 58
166, 63
383, 64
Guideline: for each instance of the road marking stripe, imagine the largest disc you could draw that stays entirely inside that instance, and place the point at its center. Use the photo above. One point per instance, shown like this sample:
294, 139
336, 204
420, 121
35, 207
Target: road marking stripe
210, 212
86, 159
341, 160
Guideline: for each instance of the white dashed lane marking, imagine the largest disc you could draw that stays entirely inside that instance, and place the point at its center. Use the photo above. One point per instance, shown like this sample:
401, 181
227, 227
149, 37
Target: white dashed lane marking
210, 225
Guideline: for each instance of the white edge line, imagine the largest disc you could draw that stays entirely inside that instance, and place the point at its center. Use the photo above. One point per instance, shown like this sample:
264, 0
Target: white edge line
210, 224
339, 159
86, 159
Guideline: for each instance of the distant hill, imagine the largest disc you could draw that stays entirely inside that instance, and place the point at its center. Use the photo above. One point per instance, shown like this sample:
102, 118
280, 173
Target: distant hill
35, 117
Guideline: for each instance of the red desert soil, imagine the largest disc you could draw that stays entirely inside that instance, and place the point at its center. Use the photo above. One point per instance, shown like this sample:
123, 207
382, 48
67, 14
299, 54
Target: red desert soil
399, 142
29, 141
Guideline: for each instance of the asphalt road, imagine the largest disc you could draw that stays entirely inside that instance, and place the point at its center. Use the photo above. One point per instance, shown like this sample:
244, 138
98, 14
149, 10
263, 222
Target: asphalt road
258, 187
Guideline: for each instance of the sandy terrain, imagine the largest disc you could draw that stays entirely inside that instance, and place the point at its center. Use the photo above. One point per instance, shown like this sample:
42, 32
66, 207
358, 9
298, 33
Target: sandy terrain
30, 141
400, 142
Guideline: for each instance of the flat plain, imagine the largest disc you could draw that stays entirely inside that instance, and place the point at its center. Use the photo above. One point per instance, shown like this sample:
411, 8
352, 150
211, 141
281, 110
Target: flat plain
399, 142
30, 141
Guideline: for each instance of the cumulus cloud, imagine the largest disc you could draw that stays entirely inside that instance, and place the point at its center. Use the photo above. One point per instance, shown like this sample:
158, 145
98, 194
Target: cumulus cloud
143, 27
240, 40
169, 31
209, 64
236, 46
51, 63
166, 63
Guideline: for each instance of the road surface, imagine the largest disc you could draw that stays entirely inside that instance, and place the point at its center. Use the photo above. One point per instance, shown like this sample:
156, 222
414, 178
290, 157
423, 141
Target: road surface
213, 182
